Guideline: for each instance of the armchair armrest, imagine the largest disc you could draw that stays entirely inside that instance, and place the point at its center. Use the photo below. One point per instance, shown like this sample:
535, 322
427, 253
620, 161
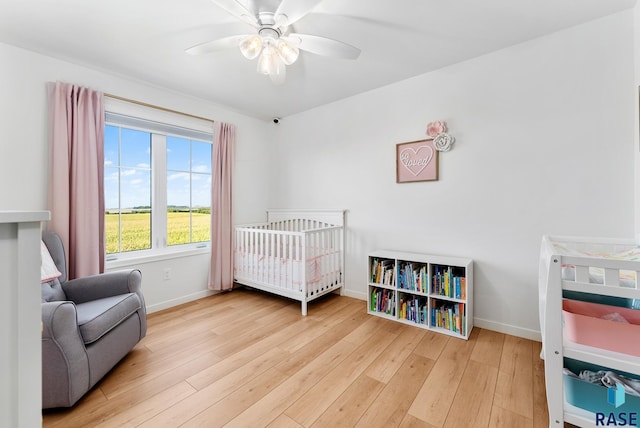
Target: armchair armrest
107, 284
63, 352
60, 324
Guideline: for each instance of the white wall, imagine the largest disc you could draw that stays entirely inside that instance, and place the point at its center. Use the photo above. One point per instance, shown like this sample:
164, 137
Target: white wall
24, 153
544, 145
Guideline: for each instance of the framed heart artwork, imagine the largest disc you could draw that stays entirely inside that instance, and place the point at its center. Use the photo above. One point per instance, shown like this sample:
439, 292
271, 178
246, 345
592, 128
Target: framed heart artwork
416, 161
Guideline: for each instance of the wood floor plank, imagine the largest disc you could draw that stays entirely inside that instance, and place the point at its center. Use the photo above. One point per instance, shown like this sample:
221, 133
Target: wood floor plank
392, 404
413, 422
214, 393
444, 377
237, 341
141, 412
317, 399
371, 327
488, 349
244, 356
502, 418
349, 407
314, 348
125, 378
273, 404
540, 409
226, 410
284, 421
317, 327
474, 399
203, 365
431, 345
514, 388
384, 367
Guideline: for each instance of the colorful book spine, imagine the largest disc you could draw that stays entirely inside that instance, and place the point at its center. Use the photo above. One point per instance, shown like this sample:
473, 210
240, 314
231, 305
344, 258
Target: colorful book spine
449, 317
448, 281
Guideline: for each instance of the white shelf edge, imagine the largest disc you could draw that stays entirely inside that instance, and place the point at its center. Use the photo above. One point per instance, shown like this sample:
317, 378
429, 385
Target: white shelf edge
448, 332
385, 286
421, 258
414, 292
382, 315
448, 299
602, 357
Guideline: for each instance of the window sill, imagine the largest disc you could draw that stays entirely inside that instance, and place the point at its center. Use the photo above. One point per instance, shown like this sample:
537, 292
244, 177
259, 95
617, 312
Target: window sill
156, 256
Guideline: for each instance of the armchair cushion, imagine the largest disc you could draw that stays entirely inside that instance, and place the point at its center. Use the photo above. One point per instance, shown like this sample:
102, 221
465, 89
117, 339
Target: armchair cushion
97, 317
52, 291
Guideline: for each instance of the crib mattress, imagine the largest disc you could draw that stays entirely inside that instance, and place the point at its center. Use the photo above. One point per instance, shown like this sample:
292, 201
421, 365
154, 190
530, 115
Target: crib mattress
287, 272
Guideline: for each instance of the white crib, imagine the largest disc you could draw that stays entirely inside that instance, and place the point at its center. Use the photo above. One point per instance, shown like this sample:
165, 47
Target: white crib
298, 254
603, 268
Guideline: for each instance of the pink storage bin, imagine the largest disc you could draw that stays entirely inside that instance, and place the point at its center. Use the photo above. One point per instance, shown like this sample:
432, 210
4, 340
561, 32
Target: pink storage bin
583, 324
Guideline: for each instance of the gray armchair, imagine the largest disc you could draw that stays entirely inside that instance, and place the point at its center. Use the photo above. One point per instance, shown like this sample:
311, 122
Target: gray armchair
89, 325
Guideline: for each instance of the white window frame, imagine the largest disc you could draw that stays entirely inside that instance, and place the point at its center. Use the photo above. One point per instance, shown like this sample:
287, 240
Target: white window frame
160, 124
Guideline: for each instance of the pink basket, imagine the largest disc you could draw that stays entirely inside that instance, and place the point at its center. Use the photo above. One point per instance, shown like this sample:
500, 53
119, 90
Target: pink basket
584, 324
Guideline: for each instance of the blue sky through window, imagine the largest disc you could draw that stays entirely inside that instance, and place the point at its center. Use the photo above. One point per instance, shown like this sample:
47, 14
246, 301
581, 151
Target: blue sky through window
188, 168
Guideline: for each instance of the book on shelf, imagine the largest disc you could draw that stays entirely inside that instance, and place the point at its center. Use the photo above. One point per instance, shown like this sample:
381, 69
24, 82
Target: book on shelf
449, 316
383, 300
413, 276
382, 271
449, 281
413, 308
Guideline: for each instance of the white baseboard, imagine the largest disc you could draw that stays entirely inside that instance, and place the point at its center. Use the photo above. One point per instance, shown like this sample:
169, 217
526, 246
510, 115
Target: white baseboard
355, 294
179, 301
508, 329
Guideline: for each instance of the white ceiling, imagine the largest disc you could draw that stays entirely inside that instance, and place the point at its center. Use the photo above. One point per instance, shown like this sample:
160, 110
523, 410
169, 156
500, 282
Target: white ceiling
146, 39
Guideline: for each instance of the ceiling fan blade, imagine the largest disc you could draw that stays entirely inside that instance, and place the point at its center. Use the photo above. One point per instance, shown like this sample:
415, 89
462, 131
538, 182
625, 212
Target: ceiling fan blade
290, 11
216, 45
323, 46
239, 10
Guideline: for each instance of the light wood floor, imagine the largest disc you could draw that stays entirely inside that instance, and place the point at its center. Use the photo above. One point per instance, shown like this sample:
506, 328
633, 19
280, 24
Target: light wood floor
248, 359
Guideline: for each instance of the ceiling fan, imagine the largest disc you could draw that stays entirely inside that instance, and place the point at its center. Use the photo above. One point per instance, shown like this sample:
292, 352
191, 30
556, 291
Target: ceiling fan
274, 44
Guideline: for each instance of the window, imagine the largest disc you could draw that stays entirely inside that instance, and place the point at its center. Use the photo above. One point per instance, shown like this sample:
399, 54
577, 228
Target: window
188, 191
157, 185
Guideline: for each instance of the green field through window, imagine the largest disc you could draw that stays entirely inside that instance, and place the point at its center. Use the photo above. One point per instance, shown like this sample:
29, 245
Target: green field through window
136, 229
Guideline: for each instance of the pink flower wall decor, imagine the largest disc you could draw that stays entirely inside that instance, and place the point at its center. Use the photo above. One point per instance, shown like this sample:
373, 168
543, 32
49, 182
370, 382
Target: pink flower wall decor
436, 127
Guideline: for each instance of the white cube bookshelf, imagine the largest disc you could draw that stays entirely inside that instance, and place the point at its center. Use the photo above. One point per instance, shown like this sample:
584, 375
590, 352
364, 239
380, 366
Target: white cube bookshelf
428, 291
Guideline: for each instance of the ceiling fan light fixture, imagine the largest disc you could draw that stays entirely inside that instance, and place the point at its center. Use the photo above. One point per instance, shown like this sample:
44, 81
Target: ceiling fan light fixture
251, 46
287, 52
267, 61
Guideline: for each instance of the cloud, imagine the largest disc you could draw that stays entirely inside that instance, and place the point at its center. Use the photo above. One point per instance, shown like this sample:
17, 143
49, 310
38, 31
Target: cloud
113, 176
200, 168
178, 176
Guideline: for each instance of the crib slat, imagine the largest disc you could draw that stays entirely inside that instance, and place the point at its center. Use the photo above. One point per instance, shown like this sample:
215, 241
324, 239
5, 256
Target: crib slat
303, 266
582, 274
612, 277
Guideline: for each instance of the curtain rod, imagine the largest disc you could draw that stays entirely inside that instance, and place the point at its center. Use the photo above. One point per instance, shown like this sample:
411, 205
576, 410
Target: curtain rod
115, 97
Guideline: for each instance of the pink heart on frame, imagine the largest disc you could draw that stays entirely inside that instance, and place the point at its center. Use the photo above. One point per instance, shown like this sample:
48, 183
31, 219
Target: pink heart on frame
416, 160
